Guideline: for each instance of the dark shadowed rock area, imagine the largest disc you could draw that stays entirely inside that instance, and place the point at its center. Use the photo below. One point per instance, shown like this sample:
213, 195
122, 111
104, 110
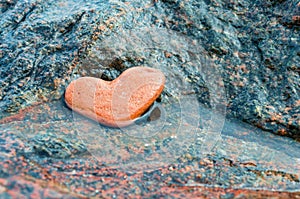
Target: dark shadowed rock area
238, 58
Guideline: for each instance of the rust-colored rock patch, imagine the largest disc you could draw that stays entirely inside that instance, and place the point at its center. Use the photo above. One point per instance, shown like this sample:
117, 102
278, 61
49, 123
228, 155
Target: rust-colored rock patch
116, 103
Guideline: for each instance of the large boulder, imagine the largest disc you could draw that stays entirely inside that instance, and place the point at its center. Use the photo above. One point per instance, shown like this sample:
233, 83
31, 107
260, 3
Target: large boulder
253, 45
242, 56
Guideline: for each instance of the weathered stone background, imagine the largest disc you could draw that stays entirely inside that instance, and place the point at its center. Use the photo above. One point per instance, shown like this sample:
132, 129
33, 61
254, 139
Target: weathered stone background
254, 44
42, 156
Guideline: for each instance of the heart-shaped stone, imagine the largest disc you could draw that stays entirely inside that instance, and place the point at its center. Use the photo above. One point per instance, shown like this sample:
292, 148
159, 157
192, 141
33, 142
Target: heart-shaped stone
116, 103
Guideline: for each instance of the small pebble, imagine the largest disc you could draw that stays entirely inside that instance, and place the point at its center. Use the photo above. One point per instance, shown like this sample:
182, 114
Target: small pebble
116, 103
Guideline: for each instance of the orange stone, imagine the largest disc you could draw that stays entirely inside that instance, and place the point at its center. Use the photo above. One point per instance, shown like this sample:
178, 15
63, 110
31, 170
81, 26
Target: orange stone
116, 103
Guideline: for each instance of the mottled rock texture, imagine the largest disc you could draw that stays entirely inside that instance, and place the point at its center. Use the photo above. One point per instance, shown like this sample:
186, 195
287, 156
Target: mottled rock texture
253, 44
47, 158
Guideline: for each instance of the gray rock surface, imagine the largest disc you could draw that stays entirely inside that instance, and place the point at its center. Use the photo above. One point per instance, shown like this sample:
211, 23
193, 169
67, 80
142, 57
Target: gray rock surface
253, 45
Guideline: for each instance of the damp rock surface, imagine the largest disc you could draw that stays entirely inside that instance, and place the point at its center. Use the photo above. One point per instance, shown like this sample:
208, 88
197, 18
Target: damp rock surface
50, 153
240, 58
254, 46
